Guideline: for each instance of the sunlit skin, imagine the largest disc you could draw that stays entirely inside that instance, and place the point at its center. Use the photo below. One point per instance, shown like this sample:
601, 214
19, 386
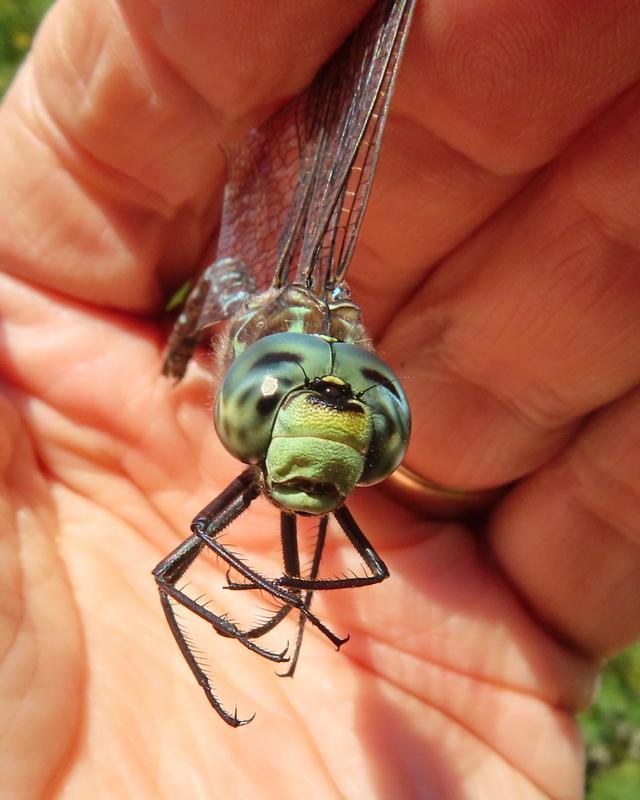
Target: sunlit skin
498, 272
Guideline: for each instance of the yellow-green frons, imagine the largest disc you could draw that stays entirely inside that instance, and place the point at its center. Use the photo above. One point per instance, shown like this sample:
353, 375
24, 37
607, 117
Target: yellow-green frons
302, 414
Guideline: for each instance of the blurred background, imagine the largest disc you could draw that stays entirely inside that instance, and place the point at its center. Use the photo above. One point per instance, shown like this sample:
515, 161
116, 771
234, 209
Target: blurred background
612, 726
18, 21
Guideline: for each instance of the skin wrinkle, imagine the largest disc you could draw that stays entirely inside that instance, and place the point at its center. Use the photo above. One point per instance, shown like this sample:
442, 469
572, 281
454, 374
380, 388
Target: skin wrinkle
128, 434
74, 156
121, 186
608, 230
48, 464
542, 402
17, 211
557, 703
609, 225
249, 82
555, 617
593, 511
63, 59
16, 616
586, 693
118, 270
585, 641
575, 699
232, 124
236, 124
313, 747
535, 419
529, 111
589, 480
468, 163
464, 163
423, 281
601, 275
587, 179
58, 768
452, 717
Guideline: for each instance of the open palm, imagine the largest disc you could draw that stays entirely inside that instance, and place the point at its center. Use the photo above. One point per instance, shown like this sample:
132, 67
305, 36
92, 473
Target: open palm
510, 163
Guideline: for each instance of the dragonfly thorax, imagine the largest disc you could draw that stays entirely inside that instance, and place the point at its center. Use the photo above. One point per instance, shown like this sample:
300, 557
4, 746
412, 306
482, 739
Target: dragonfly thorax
320, 417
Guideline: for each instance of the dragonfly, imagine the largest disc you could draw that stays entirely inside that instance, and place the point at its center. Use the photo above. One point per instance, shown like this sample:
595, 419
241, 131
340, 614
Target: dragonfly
305, 403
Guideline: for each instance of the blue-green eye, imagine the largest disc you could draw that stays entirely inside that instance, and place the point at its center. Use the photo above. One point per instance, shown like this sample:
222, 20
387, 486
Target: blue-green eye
321, 416
378, 387
256, 384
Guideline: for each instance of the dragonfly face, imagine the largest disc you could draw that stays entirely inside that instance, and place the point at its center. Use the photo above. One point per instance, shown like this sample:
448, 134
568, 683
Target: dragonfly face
305, 403
319, 416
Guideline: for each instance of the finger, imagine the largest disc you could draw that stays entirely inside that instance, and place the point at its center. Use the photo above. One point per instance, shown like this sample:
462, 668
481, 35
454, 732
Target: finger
534, 322
442, 606
97, 405
116, 127
118, 141
487, 94
41, 666
569, 536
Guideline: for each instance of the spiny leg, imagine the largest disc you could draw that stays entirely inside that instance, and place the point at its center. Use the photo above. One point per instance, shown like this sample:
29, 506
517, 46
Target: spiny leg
199, 674
291, 560
364, 549
204, 526
185, 335
313, 574
235, 499
292, 568
271, 623
172, 568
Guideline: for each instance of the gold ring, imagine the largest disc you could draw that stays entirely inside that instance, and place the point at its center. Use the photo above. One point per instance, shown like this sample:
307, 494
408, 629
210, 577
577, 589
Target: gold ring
440, 502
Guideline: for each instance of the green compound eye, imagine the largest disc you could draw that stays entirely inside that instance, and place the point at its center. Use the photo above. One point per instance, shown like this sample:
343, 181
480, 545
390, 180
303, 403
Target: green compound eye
320, 416
256, 384
374, 383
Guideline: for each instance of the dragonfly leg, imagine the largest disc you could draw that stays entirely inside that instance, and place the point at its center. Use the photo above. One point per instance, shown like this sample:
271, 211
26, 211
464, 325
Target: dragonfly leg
364, 549
204, 525
198, 672
288, 532
313, 574
185, 335
172, 568
235, 499
288, 535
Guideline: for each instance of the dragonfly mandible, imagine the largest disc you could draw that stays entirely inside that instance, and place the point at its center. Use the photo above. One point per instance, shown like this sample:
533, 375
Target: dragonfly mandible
305, 402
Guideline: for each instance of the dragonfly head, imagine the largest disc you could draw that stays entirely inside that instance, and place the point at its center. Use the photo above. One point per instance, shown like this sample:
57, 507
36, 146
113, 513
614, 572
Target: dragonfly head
319, 416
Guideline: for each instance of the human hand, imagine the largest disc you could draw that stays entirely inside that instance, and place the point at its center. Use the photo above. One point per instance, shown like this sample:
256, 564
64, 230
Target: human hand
496, 271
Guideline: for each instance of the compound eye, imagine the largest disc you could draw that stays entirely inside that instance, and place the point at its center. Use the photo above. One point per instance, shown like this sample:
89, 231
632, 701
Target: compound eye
256, 384
376, 385
392, 427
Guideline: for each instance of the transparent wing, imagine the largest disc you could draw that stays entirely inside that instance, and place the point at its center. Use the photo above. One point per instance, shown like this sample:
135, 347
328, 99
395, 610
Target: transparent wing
349, 103
297, 187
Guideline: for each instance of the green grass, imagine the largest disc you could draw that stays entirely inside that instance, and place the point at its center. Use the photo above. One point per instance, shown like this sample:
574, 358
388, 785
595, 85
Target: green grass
612, 726
611, 729
18, 21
